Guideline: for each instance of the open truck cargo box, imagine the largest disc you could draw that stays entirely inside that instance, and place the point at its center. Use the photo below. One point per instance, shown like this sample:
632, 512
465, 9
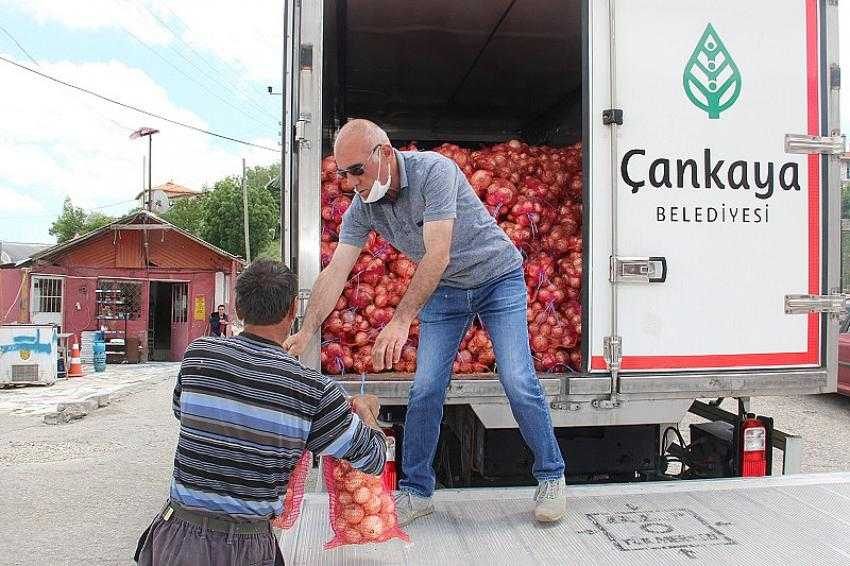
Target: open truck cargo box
709, 93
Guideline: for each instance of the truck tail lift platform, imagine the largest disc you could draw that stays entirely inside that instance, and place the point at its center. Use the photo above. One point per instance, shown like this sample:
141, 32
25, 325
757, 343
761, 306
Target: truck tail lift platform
799, 519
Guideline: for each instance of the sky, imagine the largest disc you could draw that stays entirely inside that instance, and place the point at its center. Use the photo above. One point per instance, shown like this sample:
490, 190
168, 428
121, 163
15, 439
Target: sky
203, 62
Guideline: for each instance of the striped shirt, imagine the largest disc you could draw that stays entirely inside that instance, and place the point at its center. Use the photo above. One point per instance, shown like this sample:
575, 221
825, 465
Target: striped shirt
247, 412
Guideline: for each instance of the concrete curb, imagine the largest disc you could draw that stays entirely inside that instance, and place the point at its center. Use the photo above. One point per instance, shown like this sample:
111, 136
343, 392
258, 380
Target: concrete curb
74, 410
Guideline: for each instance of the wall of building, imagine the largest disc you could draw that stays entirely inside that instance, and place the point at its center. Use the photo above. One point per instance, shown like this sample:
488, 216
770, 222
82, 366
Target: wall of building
80, 303
10, 284
123, 254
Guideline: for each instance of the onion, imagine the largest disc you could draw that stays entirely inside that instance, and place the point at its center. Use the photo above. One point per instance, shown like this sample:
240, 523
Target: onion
353, 480
372, 505
361, 495
351, 536
353, 514
535, 194
372, 527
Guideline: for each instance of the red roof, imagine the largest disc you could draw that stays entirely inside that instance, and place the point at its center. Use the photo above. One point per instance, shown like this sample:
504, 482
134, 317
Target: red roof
172, 189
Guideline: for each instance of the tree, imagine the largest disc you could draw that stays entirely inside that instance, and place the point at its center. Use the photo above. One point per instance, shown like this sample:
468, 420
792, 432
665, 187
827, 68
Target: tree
75, 221
222, 217
96, 220
188, 214
845, 200
272, 251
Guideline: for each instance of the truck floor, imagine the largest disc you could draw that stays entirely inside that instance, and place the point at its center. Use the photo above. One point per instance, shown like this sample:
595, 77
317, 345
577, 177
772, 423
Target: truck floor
797, 520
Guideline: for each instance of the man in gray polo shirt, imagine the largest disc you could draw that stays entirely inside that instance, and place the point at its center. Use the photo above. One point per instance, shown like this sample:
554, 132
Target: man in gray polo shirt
466, 266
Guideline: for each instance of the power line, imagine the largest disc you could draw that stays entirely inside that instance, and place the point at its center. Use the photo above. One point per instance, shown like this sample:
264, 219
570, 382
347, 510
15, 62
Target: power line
233, 86
191, 78
136, 108
36, 63
21, 47
111, 205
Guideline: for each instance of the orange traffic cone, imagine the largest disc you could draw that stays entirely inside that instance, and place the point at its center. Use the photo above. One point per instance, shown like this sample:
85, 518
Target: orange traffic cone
75, 368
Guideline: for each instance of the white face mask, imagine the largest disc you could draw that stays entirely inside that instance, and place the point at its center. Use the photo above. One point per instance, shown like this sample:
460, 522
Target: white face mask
379, 190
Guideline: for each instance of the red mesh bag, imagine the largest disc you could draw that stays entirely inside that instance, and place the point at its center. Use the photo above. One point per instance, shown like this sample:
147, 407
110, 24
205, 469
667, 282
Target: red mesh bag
362, 509
294, 493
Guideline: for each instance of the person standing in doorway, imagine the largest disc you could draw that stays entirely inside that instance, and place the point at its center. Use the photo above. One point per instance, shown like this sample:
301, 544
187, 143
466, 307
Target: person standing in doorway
218, 323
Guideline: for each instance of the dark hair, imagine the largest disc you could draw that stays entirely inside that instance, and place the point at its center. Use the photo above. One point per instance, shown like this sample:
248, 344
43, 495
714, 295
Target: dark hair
265, 292
221, 306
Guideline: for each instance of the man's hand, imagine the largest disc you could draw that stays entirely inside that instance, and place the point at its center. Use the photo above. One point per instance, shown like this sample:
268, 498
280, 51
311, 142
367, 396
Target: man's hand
297, 343
387, 349
367, 408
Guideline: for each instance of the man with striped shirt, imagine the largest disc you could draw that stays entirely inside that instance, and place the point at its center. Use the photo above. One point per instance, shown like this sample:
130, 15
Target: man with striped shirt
247, 411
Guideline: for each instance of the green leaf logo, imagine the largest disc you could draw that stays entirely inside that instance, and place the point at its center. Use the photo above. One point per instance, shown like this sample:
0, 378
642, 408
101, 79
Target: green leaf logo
712, 79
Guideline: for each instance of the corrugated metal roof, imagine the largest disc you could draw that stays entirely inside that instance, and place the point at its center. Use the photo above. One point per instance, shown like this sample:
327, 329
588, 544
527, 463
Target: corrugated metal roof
172, 189
107, 233
13, 252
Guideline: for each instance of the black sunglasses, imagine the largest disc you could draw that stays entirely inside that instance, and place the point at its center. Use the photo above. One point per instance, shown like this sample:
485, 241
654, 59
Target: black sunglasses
358, 168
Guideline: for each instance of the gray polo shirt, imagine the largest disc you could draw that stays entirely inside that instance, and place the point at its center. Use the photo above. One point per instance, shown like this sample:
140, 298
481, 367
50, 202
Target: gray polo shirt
434, 188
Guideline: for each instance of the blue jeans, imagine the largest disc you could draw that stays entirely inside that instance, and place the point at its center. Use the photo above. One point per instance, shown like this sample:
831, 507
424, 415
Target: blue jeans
445, 318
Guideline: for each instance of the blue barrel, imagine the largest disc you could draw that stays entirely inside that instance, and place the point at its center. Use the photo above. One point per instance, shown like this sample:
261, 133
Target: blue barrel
99, 355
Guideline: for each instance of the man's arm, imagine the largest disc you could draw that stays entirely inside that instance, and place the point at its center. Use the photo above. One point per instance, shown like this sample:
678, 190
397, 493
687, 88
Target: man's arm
340, 432
328, 288
390, 342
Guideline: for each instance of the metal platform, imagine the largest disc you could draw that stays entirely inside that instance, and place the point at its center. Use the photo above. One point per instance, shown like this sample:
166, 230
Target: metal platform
793, 520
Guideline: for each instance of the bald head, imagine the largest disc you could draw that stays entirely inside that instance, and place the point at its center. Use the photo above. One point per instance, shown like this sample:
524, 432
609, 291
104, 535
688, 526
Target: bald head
363, 151
360, 134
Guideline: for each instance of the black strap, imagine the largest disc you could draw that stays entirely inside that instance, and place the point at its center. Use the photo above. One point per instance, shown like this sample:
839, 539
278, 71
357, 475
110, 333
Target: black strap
141, 544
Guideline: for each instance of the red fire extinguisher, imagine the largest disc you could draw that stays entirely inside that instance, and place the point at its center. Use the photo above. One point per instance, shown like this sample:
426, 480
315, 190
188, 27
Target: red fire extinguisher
753, 447
390, 475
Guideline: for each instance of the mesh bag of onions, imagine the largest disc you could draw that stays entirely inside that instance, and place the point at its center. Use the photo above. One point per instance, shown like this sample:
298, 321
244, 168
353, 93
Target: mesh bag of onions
294, 493
362, 509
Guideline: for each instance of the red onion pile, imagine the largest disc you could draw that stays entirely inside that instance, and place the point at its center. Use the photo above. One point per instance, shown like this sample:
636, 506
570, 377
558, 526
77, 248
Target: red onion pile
535, 194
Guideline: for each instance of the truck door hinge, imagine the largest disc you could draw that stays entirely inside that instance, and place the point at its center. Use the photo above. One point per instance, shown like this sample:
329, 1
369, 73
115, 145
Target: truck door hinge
835, 76
303, 300
612, 351
305, 57
562, 405
299, 131
833, 304
612, 116
801, 143
638, 269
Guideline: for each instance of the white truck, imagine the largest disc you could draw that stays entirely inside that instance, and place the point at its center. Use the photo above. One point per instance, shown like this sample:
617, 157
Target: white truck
710, 133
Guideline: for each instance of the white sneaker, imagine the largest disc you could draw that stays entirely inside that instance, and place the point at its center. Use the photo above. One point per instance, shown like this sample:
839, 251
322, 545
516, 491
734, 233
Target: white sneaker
410, 507
551, 498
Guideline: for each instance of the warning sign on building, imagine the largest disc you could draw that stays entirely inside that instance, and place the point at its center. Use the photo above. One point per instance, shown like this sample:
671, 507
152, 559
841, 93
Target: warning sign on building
200, 307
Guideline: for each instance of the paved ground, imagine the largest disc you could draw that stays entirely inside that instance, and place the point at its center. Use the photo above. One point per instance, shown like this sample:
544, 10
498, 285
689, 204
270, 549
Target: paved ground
116, 380
80, 494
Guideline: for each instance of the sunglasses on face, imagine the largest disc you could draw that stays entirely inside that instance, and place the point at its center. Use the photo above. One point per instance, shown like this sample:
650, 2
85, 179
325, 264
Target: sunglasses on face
358, 168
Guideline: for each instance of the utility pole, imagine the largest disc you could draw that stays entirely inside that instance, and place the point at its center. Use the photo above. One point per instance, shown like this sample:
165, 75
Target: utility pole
140, 133
150, 165
144, 176
245, 214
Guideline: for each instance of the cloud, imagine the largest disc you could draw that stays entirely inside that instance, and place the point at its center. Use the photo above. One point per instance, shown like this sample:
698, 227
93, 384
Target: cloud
246, 36
92, 15
24, 204
56, 141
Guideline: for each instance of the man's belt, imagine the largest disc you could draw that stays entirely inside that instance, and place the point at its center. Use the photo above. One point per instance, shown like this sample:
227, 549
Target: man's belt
173, 510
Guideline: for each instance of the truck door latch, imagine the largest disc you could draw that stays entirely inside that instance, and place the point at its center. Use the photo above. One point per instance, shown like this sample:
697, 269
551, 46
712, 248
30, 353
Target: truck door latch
833, 304
638, 269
